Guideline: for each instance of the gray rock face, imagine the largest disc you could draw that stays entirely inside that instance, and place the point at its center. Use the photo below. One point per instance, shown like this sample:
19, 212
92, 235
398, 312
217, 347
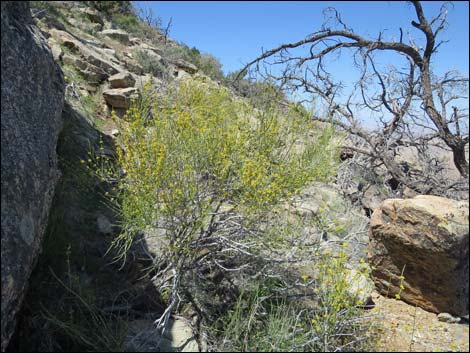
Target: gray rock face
32, 101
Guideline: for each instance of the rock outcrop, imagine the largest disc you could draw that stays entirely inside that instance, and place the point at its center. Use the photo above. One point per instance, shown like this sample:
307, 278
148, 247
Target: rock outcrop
121, 80
117, 34
93, 15
32, 101
95, 63
120, 97
185, 66
427, 238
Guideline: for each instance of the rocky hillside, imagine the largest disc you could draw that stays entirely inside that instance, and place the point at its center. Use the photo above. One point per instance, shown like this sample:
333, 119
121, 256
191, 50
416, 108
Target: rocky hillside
305, 271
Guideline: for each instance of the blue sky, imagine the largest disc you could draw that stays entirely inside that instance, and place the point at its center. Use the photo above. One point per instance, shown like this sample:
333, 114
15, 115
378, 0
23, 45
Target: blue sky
236, 31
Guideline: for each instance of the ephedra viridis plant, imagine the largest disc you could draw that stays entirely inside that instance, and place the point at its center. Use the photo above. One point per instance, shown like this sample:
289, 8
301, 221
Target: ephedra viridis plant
204, 168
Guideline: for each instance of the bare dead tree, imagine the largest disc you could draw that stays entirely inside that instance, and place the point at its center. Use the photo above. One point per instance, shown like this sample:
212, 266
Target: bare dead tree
413, 106
148, 16
166, 31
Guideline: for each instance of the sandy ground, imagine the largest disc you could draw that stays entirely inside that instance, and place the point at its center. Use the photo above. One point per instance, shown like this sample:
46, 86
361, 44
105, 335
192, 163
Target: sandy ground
406, 328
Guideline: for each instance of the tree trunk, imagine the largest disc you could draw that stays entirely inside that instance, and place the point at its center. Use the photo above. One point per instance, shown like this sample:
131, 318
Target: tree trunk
460, 159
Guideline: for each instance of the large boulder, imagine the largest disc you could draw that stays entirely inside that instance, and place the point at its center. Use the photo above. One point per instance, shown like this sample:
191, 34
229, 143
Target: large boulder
32, 101
426, 238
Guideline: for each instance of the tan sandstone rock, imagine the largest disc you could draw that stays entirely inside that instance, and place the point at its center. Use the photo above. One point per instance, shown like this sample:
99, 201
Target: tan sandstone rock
185, 66
56, 50
94, 63
121, 80
145, 46
426, 237
119, 97
117, 34
65, 39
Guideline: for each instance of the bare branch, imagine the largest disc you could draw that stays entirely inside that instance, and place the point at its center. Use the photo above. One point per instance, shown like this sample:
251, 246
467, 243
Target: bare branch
391, 95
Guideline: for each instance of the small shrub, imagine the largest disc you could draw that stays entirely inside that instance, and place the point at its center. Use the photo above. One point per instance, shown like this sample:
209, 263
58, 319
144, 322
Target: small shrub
256, 324
49, 7
259, 94
110, 8
207, 63
90, 104
126, 22
181, 52
131, 24
266, 319
210, 66
135, 26
151, 64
